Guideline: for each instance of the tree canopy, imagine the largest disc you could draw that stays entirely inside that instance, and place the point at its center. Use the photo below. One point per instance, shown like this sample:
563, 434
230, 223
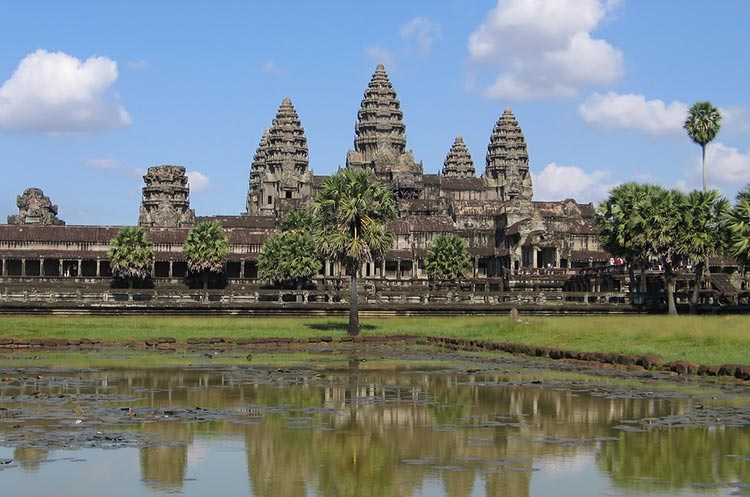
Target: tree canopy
131, 254
447, 258
350, 212
205, 249
290, 256
737, 222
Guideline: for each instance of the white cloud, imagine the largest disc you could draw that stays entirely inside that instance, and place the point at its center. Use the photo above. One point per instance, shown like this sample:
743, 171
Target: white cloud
380, 55
138, 65
270, 67
560, 182
734, 120
544, 48
727, 165
55, 93
105, 163
632, 112
198, 181
422, 32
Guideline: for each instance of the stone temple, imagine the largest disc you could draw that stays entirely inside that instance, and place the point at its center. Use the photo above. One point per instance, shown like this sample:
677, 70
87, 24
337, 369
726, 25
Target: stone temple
506, 231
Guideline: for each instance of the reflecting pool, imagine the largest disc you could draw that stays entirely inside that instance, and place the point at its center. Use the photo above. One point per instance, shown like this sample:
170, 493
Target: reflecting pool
361, 431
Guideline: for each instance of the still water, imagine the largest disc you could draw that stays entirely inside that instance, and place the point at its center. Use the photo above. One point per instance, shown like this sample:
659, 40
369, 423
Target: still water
356, 431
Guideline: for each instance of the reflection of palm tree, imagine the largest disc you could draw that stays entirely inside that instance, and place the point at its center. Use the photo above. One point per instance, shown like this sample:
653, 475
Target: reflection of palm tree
164, 466
29, 459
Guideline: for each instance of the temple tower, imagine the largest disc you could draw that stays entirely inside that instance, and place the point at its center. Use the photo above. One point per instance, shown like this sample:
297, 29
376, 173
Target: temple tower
508, 160
34, 207
166, 202
380, 141
279, 176
458, 163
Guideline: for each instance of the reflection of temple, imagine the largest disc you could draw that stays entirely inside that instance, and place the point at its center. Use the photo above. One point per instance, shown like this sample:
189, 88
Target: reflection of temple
505, 230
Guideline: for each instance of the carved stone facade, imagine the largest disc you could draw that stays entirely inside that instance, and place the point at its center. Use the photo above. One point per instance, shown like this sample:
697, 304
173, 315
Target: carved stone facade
34, 207
279, 177
508, 160
380, 141
166, 202
458, 163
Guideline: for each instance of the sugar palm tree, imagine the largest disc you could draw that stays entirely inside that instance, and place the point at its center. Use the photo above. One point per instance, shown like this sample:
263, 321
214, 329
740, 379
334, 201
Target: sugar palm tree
702, 125
447, 258
290, 255
205, 250
737, 223
131, 255
350, 212
701, 233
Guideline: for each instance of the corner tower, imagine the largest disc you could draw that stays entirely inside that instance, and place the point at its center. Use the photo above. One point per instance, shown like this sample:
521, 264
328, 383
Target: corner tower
279, 176
507, 168
380, 141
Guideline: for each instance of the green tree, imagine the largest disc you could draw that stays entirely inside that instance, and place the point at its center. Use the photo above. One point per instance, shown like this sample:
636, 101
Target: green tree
737, 223
205, 250
131, 255
702, 125
702, 234
447, 258
289, 257
297, 220
620, 227
350, 212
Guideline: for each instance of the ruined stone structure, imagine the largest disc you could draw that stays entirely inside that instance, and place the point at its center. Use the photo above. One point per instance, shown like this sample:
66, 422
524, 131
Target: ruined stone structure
165, 201
279, 176
507, 233
35, 208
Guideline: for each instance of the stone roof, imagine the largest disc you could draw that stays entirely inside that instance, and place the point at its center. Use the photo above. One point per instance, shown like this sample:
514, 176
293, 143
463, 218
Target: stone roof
481, 208
466, 183
458, 163
251, 222
380, 119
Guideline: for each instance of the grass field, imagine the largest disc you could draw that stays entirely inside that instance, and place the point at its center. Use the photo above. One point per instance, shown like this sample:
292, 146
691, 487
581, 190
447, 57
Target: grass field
701, 339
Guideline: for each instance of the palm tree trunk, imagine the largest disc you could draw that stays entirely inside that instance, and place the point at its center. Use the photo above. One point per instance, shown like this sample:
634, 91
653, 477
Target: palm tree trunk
354, 305
696, 288
669, 283
703, 162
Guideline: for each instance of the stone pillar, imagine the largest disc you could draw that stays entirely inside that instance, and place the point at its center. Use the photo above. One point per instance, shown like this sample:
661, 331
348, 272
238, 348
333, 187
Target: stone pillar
534, 250
41, 267
382, 268
398, 269
98, 268
413, 269
557, 257
5, 267
80, 264
61, 272
171, 273
23, 267
475, 266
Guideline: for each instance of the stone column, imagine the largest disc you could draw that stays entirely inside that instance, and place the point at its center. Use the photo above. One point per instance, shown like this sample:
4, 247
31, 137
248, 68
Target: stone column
41, 267
98, 267
475, 266
80, 264
398, 269
382, 269
23, 267
61, 272
5, 267
171, 273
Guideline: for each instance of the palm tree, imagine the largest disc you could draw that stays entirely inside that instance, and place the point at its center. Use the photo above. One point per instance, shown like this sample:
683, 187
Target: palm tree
131, 255
350, 212
447, 258
702, 125
737, 223
701, 234
205, 250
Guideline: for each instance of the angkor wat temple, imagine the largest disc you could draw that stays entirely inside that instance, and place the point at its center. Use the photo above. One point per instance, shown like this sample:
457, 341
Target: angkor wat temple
506, 231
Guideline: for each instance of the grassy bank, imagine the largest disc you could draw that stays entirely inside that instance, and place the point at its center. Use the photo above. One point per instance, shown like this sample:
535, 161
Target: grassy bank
701, 339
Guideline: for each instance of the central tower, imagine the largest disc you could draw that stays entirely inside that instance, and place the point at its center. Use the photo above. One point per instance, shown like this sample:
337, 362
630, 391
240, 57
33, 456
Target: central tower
380, 141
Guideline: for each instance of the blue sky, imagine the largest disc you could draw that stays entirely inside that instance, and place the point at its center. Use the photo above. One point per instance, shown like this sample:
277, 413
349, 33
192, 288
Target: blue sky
93, 93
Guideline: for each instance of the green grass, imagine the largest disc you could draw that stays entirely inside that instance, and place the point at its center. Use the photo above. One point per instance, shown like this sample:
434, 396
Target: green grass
702, 339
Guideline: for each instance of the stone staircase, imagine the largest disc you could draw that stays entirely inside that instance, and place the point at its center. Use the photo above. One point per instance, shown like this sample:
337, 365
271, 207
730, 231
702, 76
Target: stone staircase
722, 283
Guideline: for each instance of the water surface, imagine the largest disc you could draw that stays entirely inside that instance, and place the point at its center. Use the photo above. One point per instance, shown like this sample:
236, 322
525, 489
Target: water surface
357, 431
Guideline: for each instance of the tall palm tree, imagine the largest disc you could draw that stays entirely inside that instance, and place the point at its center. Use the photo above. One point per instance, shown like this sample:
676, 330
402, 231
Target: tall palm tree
205, 250
702, 125
701, 234
350, 213
131, 255
737, 223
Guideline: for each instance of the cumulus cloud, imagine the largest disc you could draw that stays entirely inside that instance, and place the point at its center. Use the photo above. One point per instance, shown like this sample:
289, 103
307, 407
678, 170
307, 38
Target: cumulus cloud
103, 163
544, 48
559, 182
632, 112
422, 32
727, 165
734, 120
55, 93
380, 55
198, 181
